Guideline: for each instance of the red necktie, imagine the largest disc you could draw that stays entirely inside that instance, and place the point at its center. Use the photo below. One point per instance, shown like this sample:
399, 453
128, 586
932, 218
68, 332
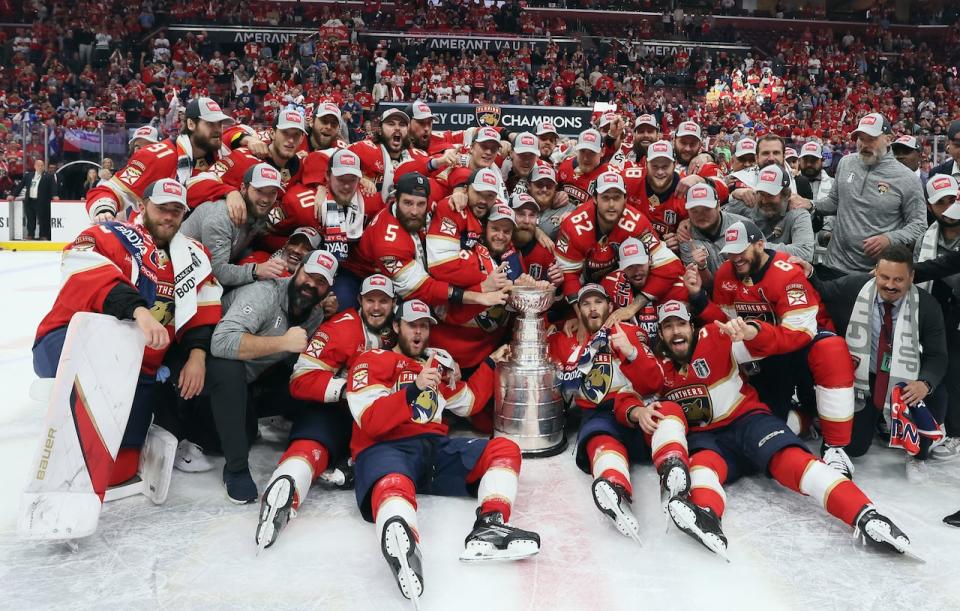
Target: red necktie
884, 352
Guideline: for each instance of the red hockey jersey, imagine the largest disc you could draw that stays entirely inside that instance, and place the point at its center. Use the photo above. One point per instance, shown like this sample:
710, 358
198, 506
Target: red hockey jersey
454, 248
576, 184
622, 294
227, 175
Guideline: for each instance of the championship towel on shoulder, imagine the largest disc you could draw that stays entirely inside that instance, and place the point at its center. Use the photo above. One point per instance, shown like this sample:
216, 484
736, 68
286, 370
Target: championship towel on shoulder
86, 417
909, 424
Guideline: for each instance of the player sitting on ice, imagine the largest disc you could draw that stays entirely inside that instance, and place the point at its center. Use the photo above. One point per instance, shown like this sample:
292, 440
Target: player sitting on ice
618, 428
320, 435
732, 433
400, 445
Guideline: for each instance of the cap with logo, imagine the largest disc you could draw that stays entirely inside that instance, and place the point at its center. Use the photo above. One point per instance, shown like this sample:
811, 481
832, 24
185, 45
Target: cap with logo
345, 162
378, 282
547, 128
502, 212
543, 172
909, 142
746, 146
607, 118
701, 196
488, 134
646, 120
391, 114
790, 153
873, 124
525, 142
291, 119
311, 235
772, 180
327, 109
520, 200
673, 309
419, 111
812, 149
147, 132
739, 236
592, 289
633, 252
262, 176
689, 128
206, 109
323, 263
487, 179
940, 186
166, 191
661, 149
413, 183
610, 180
414, 310
590, 140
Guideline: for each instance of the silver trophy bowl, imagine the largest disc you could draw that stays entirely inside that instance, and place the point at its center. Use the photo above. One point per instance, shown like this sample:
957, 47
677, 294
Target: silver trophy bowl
528, 407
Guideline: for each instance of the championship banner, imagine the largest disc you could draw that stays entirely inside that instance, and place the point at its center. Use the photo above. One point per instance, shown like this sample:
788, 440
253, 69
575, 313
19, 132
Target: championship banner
453, 42
568, 120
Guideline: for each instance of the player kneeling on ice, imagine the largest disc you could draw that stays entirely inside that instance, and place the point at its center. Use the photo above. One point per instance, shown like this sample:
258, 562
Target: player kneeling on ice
400, 445
732, 433
618, 428
98, 435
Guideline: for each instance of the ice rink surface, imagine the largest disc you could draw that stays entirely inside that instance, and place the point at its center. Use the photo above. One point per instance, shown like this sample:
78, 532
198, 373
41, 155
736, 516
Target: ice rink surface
197, 551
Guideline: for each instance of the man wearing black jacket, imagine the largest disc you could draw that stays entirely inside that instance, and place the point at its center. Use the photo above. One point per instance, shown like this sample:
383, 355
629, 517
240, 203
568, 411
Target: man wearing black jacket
39, 188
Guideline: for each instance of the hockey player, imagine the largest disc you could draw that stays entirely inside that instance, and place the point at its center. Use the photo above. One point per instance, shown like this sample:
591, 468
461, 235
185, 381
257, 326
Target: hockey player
554, 205
143, 136
324, 133
381, 157
535, 260
421, 135
457, 166
687, 142
732, 433
401, 447
194, 151
755, 283
656, 195
645, 133
294, 251
150, 273
618, 427
576, 175
320, 435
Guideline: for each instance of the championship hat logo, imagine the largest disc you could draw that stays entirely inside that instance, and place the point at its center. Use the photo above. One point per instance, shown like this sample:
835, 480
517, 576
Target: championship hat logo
172, 188
589, 137
660, 147
488, 178
611, 178
293, 117
348, 159
698, 193
527, 140
768, 176
869, 120
268, 173
748, 145
423, 107
325, 260
213, 106
630, 250
810, 147
732, 235
378, 281
942, 183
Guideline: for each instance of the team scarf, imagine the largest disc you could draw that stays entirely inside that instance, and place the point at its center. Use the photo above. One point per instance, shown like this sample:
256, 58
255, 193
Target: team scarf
349, 219
573, 371
928, 249
388, 169
905, 357
185, 158
909, 424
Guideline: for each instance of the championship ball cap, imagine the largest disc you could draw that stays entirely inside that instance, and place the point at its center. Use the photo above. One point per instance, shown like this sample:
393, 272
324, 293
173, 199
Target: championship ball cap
205, 109
592, 288
419, 111
413, 183
488, 134
790, 153
146, 132
502, 212
547, 128
739, 236
673, 309
646, 120
378, 282
291, 119
909, 142
166, 191
661, 149
873, 124
701, 196
542, 171
772, 180
520, 200
633, 252
321, 262
525, 142
328, 109
812, 149
746, 146
610, 180
940, 186
311, 235
590, 140
414, 310
262, 176
607, 118
487, 179
391, 114
345, 162
689, 128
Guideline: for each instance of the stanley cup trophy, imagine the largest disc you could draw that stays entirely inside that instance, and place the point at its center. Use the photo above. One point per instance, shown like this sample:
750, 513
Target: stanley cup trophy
528, 407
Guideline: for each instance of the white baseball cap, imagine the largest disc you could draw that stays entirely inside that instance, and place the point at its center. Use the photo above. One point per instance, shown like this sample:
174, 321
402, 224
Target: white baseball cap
907, 141
812, 149
746, 146
311, 234
739, 236
873, 124
940, 186
488, 134
378, 282
345, 162
419, 110
166, 191
772, 180
673, 308
525, 142
592, 288
263, 175
660, 149
543, 171
633, 252
327, 109
689, 128
610, 180
414, 310
394, 113
547, 128
501, 212
702, 196
487, 179
207, 110
520, 200
607, 118
590, 140
146, 132
790, 153
646, 120
291, 119
321, 262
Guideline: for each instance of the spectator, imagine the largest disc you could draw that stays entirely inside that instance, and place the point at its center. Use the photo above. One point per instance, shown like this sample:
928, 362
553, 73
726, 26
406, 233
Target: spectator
39, 188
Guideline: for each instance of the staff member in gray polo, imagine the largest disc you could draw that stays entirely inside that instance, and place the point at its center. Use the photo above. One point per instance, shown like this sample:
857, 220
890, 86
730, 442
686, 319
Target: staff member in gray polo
789, 231
706, 230
210, 223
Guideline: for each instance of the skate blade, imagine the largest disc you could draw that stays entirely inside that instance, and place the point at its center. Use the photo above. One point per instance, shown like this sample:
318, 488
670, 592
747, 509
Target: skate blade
606, 499
481, 551
267, 529
397, 546
686, 521
897, 546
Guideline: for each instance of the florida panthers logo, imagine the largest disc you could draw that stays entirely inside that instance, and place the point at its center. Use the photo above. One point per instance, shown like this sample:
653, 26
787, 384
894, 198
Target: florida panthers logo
425, 407
695, 401
596, 384
492, 318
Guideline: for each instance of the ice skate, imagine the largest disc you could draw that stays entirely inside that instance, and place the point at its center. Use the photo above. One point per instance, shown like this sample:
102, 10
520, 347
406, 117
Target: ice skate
275, 511
399, 547
880, 532
837, 458
491, 539
674, 478
614, 502
701, 524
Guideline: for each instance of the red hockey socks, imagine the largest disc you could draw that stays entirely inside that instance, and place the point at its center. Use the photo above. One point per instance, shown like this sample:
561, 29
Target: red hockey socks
608, 459
800, 471
708, 471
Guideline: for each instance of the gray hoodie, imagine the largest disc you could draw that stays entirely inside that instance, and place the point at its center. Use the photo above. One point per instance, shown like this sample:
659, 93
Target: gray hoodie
210, 224
871, 200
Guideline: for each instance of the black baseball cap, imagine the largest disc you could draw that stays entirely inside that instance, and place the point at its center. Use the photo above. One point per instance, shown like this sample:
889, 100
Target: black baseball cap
413, 183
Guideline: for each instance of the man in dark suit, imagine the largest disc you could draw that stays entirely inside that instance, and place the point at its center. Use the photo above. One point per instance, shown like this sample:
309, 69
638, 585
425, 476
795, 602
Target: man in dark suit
952, 164
39, 188
894, 278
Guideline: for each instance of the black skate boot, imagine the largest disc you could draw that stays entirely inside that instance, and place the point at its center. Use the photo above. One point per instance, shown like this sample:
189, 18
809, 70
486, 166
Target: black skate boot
491, 539
275, 510
700, 523
614, 502
837, 458
878, 531
339, 476
674, 478
399, 548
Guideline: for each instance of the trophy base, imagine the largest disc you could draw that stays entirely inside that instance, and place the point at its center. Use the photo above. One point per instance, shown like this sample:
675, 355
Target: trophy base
535, 452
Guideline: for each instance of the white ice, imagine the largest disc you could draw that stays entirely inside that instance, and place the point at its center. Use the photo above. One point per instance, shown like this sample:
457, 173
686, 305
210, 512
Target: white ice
198, 551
